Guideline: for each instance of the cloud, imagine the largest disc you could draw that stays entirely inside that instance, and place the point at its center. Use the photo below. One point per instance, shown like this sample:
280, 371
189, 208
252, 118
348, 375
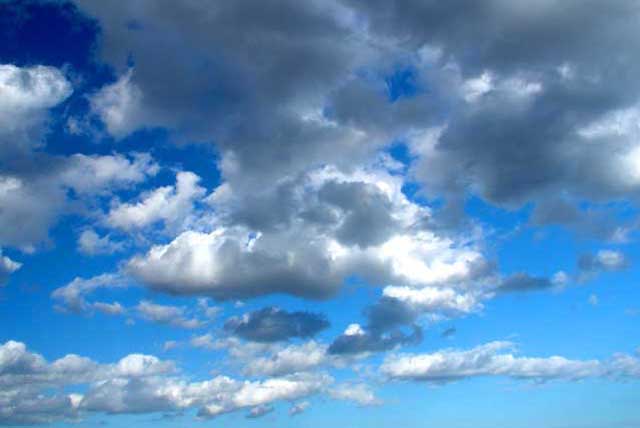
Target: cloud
314, 37
290, 359
89, 242
561, 86
72, 297
508, 122
169, 204
522, 282
95, 174
169, 345
166, 314
33, 388
7, 267
274, 324
289, 238
298, 408
114, 308
356, 340
590, 265
120, 106
491, 359
204, 341
359, 393
221, 264
35, 197
259, 411
26, 93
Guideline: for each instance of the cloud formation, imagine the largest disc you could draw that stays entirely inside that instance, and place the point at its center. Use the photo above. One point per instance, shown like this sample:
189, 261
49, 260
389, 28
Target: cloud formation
274, 324
498, 359
32, 392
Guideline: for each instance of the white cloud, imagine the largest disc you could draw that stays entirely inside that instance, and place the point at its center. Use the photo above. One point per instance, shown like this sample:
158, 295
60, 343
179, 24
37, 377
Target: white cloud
170, 204
169, 345
136, 383
95, 174
590, 265
258, 393
89, 242
7, 267
491, 359
610, 259
204, 342
289, 359
298, 408
165, 314
25, 93
359, 393
114, 308
73, 295
36, 200
317, 230
119, 105
446, 301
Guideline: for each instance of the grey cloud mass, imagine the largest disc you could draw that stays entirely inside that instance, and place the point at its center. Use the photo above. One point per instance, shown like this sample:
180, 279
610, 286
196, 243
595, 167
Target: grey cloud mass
274, 324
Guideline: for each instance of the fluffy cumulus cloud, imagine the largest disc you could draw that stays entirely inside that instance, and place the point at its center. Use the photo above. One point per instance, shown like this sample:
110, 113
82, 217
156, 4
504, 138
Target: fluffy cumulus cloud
119, 105
169, 204
34, 200
304, 235
26, 94
36, 187
33, 388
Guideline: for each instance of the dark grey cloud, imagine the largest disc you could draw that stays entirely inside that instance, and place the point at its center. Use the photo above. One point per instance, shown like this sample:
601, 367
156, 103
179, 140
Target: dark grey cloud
514, 142
242, 89
367, 220
273, 324
552, 79
373, 341
594, 222
388, 313
522, 282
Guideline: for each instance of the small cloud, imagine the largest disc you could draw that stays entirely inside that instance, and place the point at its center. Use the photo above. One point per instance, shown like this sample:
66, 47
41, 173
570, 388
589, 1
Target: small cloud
589, 265
169, 345
593, 300
449, 333
298, 408
274, 324
204, 342
259, 411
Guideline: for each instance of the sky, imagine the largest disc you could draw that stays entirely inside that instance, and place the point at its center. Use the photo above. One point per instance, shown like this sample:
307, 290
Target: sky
319, 214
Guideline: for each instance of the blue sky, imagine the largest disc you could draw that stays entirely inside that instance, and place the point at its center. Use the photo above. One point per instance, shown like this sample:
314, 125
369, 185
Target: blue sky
326, 213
